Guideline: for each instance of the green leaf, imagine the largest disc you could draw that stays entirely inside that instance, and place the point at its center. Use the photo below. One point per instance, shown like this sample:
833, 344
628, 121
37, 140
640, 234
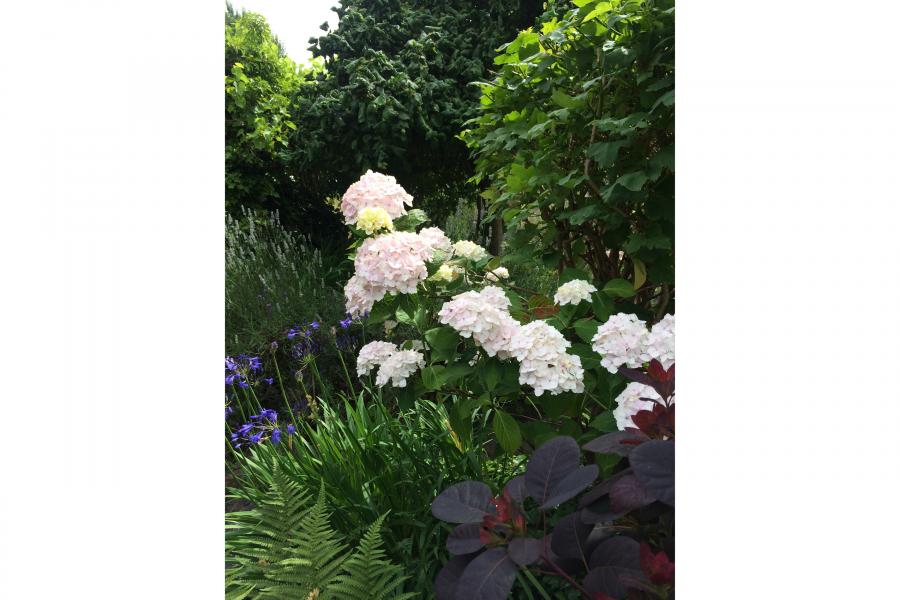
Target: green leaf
491, 373
443, 342
383, 310
411, 220
586, 329
603, 306
589, 358
579, 216
605, 422
571, 274
605, 153
563, 99
601, 9
507, 431
640, 272
633, 181
607, 463
619, 288
432, 377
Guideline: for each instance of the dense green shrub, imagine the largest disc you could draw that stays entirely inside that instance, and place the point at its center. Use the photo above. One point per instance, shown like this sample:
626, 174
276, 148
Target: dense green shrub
261, 84
394, 93
576, 143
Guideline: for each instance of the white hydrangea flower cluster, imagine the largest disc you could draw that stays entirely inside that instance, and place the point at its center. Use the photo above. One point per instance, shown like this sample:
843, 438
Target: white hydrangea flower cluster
398, 366
469, 250
573, 292
661, 343
540, 349
497, 273
374, 218
625, 340
372, 355
394, 365
620, 341
483, 316
543, 361
629, 403
374, 190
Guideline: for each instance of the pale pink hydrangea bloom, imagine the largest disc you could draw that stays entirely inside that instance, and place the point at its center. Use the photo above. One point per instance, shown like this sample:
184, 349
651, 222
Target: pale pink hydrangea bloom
361, 296
398, 366
435, 239
629, 403
394, 262
375, 190
660, 343
495, 296
621, 341
543, 361
483, 317
372, 355
573, 292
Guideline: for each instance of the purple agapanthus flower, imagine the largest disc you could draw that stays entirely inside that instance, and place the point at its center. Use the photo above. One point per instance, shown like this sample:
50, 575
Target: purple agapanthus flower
346, 322
239, 368
275, 436
314, 325
291, 430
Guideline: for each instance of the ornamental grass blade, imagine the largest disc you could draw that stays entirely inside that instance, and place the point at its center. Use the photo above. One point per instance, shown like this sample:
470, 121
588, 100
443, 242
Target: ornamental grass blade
489, 577
464, 502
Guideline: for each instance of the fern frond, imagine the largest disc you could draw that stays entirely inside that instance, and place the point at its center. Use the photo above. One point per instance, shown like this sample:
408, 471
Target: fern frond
285, 549
368, 574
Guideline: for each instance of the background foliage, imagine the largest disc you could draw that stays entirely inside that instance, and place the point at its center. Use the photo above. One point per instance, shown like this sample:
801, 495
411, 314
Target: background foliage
576, 143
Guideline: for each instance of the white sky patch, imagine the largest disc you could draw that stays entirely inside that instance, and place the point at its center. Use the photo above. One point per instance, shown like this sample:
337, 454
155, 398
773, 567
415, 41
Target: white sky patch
293, 21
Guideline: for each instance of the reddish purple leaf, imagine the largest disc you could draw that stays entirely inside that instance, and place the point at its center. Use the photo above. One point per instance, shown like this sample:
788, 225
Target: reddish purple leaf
489, 577
524, 551
516, 489
549, 465
654, 466
465, 539
613, 558
627, 494
572, 485
618, 442
445, 583
601, 489
464, 502
570, 537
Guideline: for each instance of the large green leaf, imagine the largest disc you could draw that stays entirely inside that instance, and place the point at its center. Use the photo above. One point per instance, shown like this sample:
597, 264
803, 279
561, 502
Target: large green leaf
507, 431
619, 288
443, 342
